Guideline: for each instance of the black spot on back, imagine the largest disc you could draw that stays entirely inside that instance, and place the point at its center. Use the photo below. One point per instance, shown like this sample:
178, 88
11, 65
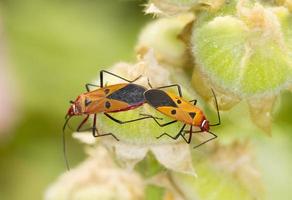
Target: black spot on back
158, 98
173, 112
192, 114
178, 101
131, 94
87, 102
107, 104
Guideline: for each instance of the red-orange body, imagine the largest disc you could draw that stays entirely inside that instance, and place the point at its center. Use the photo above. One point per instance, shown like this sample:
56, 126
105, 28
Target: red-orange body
185, 111
180, 110
177, 108
112, 98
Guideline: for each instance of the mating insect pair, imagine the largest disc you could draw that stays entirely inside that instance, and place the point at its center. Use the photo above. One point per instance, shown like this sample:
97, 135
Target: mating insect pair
127, 96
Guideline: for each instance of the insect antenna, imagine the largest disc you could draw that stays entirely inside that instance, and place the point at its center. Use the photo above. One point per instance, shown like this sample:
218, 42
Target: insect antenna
217, 108
64, 141
67, 124
149, 84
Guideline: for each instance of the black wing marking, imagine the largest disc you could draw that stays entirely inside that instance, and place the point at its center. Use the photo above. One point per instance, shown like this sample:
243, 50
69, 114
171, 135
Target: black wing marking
131, 94
192, 114
158, 98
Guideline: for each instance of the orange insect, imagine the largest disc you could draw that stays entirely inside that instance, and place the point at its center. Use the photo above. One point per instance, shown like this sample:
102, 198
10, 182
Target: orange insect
106, 99
181, 110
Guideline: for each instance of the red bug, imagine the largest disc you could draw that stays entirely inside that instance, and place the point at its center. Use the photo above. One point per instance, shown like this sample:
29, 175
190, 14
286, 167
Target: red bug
181, 110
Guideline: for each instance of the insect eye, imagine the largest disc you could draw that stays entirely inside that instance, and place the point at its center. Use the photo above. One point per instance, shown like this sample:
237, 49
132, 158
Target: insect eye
87, 102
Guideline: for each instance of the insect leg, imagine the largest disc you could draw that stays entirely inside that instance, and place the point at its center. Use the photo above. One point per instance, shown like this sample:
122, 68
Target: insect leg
95, 131
94, 126
217, 107
173, 85
82, 123
107, 134
92, 85
133, 120
183, 135
104, 71
190, 135
98, 134
176, 136
212, 138
194, 100
155, 119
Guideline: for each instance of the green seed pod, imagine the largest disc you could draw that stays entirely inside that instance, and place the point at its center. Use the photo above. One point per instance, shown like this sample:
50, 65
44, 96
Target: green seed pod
242, 58
244, 52
202, 85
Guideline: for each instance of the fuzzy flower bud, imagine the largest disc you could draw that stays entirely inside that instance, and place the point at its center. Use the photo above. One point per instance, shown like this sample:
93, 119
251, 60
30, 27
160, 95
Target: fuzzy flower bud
97, 178
164, 37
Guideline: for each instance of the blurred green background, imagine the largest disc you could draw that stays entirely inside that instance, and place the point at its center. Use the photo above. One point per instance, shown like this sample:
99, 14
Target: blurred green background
55, 47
